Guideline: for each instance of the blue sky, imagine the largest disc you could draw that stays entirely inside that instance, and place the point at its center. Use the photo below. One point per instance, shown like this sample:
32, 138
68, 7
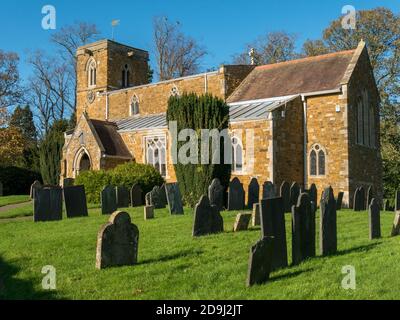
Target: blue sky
223, 26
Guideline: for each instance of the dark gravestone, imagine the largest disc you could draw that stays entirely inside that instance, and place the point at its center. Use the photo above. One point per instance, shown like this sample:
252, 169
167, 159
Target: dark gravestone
242, 222
255, 219
1, 189
156, 198
236, 195
294, 194
174, 198
122, 195
117, 242
108, 200
68, 182
285, 195
273, 225
207, 219
359, 200
47, 204
75, 201
396, 224
328, 228
136, 196
260, 261
374, 220
303, 229
35, 185
268, 190
313, 193
148, 212
253, 193
370, 196
216, 194
339, 201
397, 200
387, 206
163, 195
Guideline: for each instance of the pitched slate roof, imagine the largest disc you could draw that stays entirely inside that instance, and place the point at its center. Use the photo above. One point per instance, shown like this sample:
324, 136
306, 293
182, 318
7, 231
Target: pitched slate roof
142, 122
306, 75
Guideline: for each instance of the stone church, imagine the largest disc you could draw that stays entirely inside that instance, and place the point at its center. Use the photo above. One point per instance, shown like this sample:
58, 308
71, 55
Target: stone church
314, 120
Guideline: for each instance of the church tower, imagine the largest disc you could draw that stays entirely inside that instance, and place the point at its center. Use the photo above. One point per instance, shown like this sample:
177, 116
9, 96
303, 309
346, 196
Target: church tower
106, 66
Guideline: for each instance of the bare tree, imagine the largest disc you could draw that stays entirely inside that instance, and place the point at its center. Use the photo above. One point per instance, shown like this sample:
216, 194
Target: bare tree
177, 54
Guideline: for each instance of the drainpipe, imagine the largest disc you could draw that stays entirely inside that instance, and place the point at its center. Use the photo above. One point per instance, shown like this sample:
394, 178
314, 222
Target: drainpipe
303, 98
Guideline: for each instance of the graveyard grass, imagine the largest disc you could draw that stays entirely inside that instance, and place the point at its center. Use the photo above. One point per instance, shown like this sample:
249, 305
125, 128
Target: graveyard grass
7, 200
173, 265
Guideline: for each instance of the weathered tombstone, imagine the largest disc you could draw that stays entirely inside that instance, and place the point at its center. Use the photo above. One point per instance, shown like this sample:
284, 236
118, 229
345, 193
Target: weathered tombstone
374, 220
207, 219
253, 193
242, 222
148, 199
35, 185
387, 206
155, 198
68, 182
1, 189
148, 212
236, 195
370, 196
216, 194
117, 242
174, 198
136, 196
163, 195
75, 201
285, 195
294, 194
268, 191
397, 201
255, 217
339, 201
313, 193
359, 199
260, 261
273, 225
47, 204
396, 224
108, 200
328, 228
303, 229
122, 195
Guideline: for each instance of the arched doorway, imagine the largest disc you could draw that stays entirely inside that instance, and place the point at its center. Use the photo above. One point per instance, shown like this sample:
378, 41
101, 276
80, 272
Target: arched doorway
82, 162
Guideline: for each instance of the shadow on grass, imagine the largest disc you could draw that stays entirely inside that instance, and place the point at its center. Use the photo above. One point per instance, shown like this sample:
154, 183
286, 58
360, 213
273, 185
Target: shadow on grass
178, 255
351, 250
289, 275
16, 289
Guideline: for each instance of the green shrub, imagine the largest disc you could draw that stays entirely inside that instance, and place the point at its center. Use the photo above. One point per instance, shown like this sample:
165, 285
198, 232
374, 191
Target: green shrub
17, 181
94, 182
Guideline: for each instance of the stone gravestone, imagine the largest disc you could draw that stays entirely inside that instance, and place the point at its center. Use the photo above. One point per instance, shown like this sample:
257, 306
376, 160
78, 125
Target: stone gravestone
339, 201
163, 195
122, 196
285, 195
242, 222
117, 242
260, 261
396, 224
68, 182
148, 212
47, 204
136, 196
397, 201
174, 198
1, 189
155, 198
303, 229
273, 225
268, 190
294, 194
216, 194
108, 200
207, 219
359, 200
387, 206
75, 201
35, 185
328, 228
370, 196
374, 220
313, 193
235, 195
253, 193
255, 219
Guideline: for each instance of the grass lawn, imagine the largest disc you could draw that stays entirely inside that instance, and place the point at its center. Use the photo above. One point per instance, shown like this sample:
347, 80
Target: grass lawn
5, 201
173, 265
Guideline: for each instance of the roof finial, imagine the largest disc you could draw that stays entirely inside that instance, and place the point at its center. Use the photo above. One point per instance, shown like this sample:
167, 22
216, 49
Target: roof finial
252, 54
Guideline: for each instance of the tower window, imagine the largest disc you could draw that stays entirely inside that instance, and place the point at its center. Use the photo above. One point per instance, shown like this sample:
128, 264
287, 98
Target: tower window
317, 161
92, 73
125, 77
134, 106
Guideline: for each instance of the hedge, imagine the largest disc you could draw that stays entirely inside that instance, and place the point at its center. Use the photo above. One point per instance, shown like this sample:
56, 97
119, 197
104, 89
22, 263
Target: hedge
17, 181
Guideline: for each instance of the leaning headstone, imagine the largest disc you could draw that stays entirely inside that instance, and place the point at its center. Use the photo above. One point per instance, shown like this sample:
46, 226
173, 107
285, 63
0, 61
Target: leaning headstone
294, 194
235, 195
273, 225
108, 200
303, 229
370, 196
68, 182
136, 196
1, 189
397, 201
253, 193
35, 185
75, 201
174, 198
207, 219
117, 242
374, 220
148, 212
339, 201
260, 261
122, 195
285, 195
156, 198
268, 190
328, 228
47, 204
216, 194
255, 217
163, 195
396, 224
313, 193
242, 222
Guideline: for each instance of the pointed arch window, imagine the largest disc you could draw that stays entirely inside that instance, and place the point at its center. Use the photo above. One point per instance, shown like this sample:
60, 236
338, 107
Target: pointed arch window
317, 161
125, 76
156, 153
92, 73
237, 154
134, 106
